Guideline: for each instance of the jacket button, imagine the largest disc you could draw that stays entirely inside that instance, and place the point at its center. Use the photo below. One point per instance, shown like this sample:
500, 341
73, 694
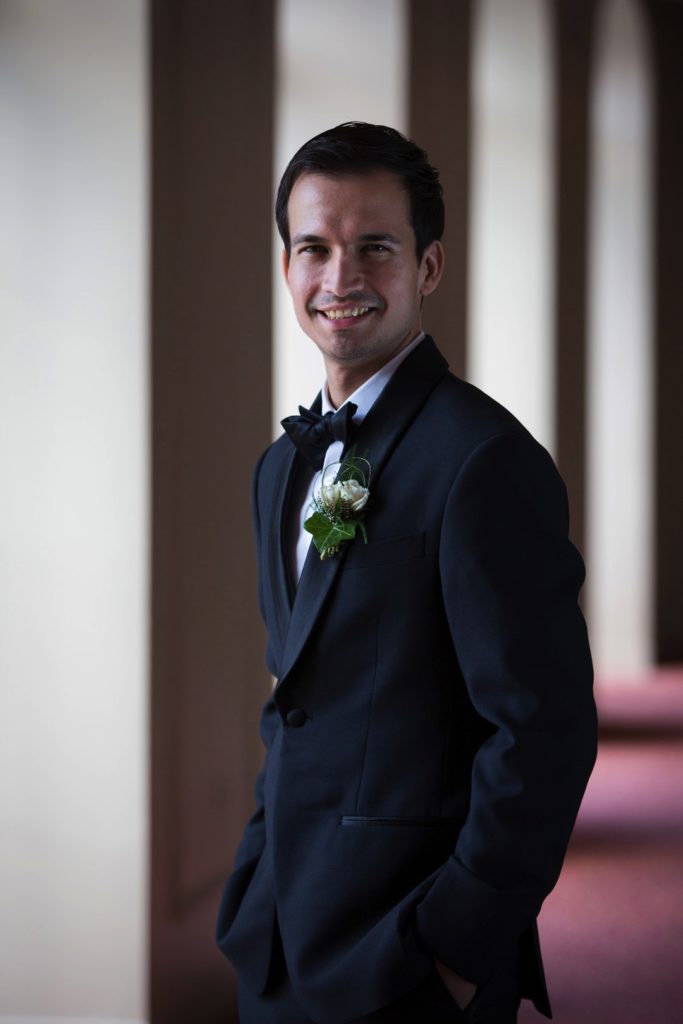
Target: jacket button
296, 717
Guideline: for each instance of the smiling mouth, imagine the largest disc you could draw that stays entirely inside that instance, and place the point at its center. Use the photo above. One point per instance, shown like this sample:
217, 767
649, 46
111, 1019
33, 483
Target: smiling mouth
351, 313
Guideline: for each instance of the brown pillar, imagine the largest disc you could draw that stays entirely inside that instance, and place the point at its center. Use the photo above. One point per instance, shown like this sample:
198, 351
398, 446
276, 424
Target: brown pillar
666, 20
439, 121
572, 25
212, 114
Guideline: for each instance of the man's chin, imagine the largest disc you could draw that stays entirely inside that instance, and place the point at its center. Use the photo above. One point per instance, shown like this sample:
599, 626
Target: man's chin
340, 355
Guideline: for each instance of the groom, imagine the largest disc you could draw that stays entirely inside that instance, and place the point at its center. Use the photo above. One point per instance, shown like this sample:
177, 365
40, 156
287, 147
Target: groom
432, 728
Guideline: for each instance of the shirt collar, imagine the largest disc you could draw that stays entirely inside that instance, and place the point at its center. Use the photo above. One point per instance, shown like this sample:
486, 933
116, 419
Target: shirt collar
367, 394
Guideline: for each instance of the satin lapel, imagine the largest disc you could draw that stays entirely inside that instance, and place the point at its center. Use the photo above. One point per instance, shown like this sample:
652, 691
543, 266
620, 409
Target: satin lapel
397, 406
382, 428
278, 551
316, 580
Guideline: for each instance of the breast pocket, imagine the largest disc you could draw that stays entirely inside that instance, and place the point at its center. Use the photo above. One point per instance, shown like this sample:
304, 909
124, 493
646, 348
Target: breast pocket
382, 821
385, 552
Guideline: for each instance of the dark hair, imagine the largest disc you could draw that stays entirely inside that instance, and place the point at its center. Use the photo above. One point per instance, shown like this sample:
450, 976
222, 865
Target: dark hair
359, 148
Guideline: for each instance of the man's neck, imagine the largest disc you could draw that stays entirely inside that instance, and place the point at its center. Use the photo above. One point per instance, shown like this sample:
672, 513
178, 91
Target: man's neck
343, 380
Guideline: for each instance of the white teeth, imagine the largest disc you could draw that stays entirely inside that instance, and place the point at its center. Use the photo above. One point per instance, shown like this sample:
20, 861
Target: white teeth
340, 314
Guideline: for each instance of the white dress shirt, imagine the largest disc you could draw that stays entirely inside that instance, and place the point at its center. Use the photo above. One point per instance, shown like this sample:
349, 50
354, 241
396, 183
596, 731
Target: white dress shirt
364, 397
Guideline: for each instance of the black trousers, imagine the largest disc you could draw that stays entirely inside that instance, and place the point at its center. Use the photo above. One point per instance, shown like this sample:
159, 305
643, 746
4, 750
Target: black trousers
430, 1003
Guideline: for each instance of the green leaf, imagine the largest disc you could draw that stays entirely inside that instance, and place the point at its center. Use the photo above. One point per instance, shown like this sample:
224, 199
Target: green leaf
328, 536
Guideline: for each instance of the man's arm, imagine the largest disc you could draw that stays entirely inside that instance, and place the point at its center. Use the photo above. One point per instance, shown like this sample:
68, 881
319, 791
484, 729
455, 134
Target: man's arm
510, 580
254, 835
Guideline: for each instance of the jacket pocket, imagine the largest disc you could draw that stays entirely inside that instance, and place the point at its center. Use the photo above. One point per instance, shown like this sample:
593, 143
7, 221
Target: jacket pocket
378, 821
384, 552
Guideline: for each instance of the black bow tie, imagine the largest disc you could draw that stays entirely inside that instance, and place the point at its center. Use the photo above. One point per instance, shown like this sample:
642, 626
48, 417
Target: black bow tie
313, 434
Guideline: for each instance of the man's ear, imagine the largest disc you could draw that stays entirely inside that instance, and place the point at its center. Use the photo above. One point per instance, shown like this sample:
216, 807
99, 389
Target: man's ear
431, 267
285, 266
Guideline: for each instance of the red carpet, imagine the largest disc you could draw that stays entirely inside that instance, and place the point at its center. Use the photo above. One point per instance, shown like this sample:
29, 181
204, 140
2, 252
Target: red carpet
612, 930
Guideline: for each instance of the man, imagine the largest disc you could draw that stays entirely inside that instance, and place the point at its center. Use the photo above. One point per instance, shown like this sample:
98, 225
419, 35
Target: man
432, 727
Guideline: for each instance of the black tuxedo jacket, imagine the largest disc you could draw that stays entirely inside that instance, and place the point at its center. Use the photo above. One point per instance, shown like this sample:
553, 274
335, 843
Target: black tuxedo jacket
432, 728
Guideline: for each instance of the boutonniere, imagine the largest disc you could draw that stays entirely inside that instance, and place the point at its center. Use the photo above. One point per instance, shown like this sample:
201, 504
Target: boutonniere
339, 505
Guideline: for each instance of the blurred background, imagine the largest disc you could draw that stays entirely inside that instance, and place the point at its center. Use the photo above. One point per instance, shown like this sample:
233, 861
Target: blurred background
147, 354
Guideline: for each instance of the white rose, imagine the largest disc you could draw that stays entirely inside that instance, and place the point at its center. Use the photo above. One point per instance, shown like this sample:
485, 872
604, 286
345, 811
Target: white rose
330, 494
350, 492
354, 493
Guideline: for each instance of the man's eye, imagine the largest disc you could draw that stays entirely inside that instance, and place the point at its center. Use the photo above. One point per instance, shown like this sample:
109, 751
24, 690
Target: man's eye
312, 250
376, 247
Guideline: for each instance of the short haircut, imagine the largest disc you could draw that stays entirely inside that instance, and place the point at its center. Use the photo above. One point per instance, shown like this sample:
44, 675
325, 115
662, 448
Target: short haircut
359, 148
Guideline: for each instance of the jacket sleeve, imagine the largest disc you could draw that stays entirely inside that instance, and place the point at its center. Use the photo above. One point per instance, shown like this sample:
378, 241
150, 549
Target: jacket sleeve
510, 580
253, 839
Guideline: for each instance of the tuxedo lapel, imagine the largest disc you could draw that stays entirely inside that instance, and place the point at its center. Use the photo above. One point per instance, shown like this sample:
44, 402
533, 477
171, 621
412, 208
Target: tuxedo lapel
398, 405
279, 539
382, 428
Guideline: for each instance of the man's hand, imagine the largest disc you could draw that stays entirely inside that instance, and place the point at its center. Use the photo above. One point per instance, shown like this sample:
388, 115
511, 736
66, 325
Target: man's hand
462, 991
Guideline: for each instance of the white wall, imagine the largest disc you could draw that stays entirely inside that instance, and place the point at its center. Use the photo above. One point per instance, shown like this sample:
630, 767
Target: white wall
74, 509
336, 62
620, 471
511, 237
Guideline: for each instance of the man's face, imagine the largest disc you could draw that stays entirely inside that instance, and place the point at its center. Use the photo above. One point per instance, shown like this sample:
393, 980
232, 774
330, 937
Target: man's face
352, 270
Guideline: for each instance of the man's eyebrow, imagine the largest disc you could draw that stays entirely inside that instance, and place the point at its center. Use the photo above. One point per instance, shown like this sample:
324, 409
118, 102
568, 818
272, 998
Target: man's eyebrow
379, 238
368, 237
300, 239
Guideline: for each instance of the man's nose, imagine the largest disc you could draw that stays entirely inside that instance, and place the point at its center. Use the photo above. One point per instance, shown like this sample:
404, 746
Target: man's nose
342, 275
